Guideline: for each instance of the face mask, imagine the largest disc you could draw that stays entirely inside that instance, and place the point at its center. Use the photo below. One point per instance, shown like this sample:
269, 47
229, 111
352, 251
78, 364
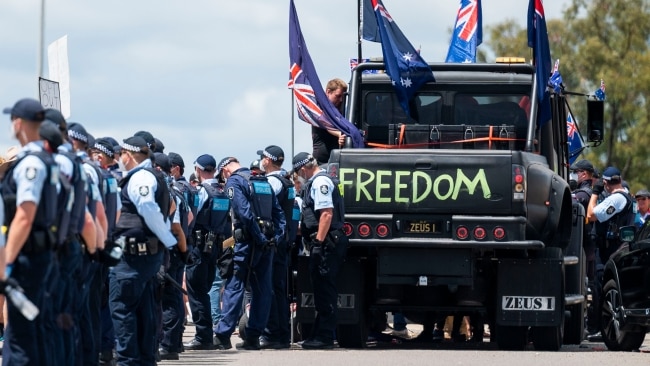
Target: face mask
262, 168
120, 164
573, 176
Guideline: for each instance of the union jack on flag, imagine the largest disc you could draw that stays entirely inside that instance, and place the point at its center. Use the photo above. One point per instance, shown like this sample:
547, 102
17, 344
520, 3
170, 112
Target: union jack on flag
468, 32
576, 145
306, 104
600, 93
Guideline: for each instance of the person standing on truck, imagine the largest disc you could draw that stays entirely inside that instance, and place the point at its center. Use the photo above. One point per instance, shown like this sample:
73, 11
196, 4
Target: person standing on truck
642, 200
323, 215
324, 141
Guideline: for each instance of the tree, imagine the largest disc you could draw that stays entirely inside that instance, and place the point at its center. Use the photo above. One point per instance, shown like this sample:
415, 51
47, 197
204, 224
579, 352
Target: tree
601, 39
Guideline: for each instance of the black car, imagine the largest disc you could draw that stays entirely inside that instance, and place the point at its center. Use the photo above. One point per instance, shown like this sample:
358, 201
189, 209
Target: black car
625, 303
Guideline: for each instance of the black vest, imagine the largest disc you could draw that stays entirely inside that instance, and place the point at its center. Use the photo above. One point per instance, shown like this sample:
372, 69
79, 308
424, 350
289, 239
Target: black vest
190, 194
79, 194
182, 208
130, 221
287, 200
213, 216
311, 217
260, 195
109, 195
44, 224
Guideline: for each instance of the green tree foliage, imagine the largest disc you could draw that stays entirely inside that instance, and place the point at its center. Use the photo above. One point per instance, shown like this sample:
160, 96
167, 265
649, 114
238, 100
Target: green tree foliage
600, 39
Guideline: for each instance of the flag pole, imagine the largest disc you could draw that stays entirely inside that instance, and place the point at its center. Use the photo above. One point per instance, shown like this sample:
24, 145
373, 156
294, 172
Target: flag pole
359, 35
293, 127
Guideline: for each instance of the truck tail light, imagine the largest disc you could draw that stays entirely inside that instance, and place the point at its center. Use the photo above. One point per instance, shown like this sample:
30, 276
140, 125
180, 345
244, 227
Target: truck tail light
462, 232
364, 230
382, 230
479, 233
499, 233
518, 182
347, 229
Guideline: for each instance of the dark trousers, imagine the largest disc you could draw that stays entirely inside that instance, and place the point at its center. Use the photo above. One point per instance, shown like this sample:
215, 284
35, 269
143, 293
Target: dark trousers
277, 328
66, 301
198, 278
324, 265
259, 278
24, 342
90, 323
132, 304
107, 342
173, 316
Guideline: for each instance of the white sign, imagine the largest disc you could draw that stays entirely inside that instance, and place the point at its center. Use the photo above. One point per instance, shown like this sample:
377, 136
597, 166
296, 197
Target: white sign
49, 93
528, 303
59, 70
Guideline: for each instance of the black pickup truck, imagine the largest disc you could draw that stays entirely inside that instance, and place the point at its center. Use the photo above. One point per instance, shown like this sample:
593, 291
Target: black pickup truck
464, 207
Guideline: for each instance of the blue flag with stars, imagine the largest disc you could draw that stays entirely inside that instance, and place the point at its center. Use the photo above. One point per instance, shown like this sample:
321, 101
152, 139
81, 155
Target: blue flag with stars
468, 32
600, 93
538, 41
404, 65
311, 101
574, 138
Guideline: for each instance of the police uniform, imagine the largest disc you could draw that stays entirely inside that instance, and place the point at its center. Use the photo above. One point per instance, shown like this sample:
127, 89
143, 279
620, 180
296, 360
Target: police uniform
253, 207
325, 259
277, 334
210, 229
32, 178
142, 226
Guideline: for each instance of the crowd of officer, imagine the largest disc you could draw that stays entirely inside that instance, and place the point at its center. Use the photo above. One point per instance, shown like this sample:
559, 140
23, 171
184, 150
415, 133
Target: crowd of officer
101, 235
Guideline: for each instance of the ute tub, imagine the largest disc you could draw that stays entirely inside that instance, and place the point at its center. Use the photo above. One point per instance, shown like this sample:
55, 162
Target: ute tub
426, 181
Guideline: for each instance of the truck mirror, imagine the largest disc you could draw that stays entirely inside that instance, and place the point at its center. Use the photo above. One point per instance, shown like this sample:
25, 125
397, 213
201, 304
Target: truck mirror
595, 118
626, 233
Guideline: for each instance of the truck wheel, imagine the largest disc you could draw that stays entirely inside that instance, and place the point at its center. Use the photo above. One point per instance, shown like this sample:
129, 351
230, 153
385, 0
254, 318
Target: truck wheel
613, 322
511, 338
574, 327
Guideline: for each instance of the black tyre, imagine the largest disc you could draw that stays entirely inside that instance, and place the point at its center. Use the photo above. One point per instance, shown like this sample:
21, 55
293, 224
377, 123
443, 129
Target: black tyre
352, 335
613, 322
547, 338
511, 338
575, 324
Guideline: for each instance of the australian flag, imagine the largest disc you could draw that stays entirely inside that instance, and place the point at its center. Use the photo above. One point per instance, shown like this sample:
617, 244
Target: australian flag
600, 93
555, 81
574, 138
538, 41
404, 65
468, 32
312, 103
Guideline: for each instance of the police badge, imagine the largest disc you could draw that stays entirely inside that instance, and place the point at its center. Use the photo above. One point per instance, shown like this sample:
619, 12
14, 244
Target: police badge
231, 192
610, 210
144, 190
30, 173
324, 189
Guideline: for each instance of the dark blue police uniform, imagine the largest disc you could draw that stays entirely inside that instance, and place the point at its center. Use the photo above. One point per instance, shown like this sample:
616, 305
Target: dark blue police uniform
142, 225
254, 208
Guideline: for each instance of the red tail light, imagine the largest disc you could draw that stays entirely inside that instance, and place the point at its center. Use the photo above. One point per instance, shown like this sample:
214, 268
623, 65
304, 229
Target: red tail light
462, 232
479, 233
382, 230
499, 233
347, 229
364, 230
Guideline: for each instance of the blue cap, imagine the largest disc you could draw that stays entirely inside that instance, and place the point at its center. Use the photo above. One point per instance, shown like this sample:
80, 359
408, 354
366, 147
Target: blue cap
272, 152
28, 109
134, 144
301, 159
55, 116
176, 159
612, 173
206, 163
78, 132
162, 160
49, 131
105, 145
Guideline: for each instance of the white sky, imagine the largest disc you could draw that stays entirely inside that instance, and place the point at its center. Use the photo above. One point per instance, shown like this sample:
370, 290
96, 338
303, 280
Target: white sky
205, 76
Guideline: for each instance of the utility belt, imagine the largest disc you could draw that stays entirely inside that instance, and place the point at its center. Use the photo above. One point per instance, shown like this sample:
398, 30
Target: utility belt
134, 247
331, 239
38, 242
207, 241
266, 227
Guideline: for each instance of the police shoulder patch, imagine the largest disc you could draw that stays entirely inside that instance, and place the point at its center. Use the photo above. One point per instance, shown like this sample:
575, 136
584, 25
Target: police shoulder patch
30, 173
324, 189
231, 192
611, 210
144, 190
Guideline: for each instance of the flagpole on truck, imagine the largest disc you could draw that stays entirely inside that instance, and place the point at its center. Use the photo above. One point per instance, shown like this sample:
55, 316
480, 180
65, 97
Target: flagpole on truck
359, 34
293, 125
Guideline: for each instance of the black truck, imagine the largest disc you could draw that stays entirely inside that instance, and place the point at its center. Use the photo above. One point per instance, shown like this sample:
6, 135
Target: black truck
464, 207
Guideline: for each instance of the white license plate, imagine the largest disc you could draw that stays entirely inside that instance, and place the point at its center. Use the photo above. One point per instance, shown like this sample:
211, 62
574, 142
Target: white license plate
528, 303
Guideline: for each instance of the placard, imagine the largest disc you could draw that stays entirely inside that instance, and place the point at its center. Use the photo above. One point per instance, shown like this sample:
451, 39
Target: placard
49, 93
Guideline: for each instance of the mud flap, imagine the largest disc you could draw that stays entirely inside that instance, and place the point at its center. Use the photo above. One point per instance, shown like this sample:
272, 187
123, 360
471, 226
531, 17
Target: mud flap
530, 292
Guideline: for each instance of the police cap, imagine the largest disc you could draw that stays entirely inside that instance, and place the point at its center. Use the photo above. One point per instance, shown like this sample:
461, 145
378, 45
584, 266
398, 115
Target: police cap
206, 163
28, 109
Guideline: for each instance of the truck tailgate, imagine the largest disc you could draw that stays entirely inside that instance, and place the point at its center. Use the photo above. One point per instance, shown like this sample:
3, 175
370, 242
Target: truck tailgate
426, 181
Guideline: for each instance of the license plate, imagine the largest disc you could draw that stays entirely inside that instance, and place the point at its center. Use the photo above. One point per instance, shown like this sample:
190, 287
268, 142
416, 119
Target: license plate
421, 227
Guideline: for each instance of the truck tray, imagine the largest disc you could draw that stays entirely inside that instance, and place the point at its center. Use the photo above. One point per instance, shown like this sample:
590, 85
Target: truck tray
501, 137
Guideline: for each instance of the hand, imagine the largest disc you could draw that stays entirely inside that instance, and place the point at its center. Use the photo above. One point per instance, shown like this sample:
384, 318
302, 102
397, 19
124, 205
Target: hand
185, 257
103, 256
599, 187
8, 282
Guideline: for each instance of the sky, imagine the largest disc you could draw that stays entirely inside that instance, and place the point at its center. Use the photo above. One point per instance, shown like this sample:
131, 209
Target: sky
205, 76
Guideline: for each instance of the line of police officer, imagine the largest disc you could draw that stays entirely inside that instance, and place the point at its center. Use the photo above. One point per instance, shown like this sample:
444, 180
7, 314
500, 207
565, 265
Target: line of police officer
63, 235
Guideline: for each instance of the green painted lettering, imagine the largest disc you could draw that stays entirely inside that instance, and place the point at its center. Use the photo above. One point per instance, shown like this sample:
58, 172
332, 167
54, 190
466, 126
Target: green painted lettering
361, 183
382, 185
399, 186
426, 179
436, 186
461, 179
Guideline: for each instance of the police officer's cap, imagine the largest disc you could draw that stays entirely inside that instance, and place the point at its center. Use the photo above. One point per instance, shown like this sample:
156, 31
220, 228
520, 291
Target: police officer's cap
116, 145
255, 164
301, 159
55, 116
612, 173
148, 137
105, 145
77, 132
583, 165
272, 152
161, 160
176, 159
206, 163
49, 131
28, 109
135, 144
160, 147
223, 162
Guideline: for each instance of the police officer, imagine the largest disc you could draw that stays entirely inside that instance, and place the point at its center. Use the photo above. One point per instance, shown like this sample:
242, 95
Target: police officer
321, 226
258, 223
277, 333
172, 308
210, 229
615, 211
29, 190
143, 224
